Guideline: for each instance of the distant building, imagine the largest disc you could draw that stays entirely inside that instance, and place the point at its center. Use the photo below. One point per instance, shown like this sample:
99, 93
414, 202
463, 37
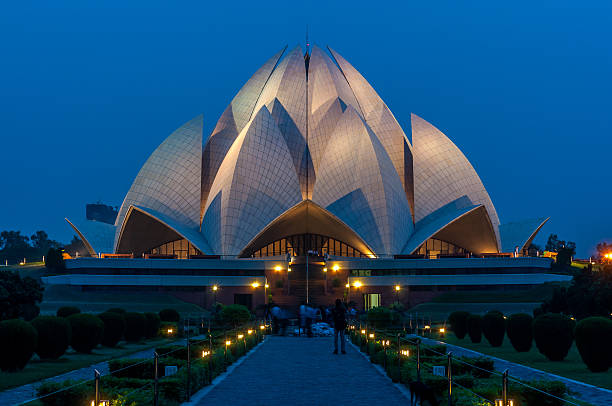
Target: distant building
308, 171
101, 212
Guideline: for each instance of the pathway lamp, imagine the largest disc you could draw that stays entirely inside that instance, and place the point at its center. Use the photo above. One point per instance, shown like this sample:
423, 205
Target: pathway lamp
500, 402
249, 332
170, 331
335, 268
397, 291
101, 403
363, 332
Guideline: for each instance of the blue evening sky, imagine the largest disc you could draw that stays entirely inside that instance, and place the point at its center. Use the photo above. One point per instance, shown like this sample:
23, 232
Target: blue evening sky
89, 89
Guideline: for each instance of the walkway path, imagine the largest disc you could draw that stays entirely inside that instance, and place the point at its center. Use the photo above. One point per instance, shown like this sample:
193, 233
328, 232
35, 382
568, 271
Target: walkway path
303, 371
589, 393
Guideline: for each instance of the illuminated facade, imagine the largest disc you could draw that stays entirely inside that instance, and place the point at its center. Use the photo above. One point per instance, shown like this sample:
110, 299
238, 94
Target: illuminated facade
307, 158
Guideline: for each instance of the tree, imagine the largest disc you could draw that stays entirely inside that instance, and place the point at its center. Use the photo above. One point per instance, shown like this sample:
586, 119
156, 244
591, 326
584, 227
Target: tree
55, 260
603, 248
552, 244
40, 240
19, 296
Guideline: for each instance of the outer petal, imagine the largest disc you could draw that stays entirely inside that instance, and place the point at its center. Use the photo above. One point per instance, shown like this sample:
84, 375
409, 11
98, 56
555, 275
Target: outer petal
255, 184
232, 121
443, 174
97, 236
169, 181
520, 233
358, 183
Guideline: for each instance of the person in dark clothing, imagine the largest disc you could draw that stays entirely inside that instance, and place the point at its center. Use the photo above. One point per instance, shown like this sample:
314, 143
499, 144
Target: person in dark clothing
339, 319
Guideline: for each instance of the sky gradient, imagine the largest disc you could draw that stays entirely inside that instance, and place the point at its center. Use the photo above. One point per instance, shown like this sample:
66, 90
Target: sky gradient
88, 91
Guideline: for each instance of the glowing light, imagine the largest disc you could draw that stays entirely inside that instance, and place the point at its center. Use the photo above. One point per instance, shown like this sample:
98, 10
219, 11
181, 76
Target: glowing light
363, 332
371, 335
335, 268
249, 332
262, 327
324, 269
266, 286
170, 331
278, 268
101, 403
397, 287
205, 354
442, 330
347, 285
405, 353
228, 342
427, 327
288, 269
500, 402
215, 287
255, 284
240, 336
357, 284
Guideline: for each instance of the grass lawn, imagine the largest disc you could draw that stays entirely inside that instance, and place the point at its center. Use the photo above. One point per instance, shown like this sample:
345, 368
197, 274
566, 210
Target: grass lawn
440, 311
56, 296
572, 367
537, 294
37, 370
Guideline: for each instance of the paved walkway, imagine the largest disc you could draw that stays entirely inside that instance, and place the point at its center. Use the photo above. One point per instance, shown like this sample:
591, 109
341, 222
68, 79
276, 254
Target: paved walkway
589, 393
303, 371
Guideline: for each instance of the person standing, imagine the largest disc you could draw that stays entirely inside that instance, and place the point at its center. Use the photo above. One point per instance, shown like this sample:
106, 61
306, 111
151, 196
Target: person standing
339, 319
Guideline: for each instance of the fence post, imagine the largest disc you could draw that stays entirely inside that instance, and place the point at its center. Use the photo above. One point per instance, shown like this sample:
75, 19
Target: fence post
399, 358
97, 379
505, 387
188, 368
418, 350
155, 379
450, 377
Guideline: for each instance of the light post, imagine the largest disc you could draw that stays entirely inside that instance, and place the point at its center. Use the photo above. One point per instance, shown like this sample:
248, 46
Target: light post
214, 289
358, 285
397, 291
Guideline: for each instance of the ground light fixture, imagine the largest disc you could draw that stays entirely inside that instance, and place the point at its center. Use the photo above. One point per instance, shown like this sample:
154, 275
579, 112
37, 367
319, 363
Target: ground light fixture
215, 287
347, 285
397, 288
335, 268
205, 354
170, 331
500, 402
228, 343
101, 403
262, 327
249, 332
371, 335
278, 268
405, 353
358, 284
324, 269
266, 286
240, 336
363, 332
442, 330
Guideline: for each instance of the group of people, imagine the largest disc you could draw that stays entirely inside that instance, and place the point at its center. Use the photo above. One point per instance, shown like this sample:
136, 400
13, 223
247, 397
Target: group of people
336, 316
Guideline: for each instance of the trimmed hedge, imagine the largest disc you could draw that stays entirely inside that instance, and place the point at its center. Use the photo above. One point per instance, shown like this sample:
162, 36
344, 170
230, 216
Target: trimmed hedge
553, 334
594, 342
66, 311
54, 335
518, 328
234, 315
114, 328
153, 323
474, 327
87, 332
379, 317
458, 323
494, 328
135, 326
18, 341
169, 315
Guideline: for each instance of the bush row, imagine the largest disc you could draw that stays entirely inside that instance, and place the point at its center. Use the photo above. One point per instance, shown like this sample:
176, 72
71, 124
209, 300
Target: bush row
553, 334
50, 336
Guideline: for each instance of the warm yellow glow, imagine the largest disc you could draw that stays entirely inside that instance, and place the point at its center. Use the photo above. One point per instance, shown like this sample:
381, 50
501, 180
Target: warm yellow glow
363, 331
255, 284
240, 336
205, 354
357, 284
324, 269
288, 269
335, 268
427, 327
371, 335
278, 268
347, 285
228, 342
170, 331
405, 353
500, 402
215, 287
397, 287
249, 332
101, 403
262, 327
266, 286
442, 330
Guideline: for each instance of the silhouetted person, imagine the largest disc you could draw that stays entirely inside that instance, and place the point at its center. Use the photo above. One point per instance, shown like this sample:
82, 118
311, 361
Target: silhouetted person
339, 319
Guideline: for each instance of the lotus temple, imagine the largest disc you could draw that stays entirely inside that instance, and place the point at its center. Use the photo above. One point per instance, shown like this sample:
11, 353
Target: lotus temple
307, 189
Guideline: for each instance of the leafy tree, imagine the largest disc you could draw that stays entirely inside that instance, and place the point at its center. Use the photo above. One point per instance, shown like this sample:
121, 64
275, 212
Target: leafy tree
18, 341
54, 259
553, 243
19, 297
593, 337
553, 334
234, 315
603, 248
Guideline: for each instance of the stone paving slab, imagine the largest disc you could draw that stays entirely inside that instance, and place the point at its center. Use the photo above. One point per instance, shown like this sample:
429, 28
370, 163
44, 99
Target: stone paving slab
588, 393
303, 371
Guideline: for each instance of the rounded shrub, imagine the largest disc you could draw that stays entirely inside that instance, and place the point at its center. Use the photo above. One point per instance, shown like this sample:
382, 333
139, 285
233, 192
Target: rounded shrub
114, 328
553, 334
116, 310
234, 315
152, 325
458, 323
66, 311
474, 327
87, 332
18, 341
594, 342
379, 317
494, 328
518, 328
54, 334
169, 315
135, 326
